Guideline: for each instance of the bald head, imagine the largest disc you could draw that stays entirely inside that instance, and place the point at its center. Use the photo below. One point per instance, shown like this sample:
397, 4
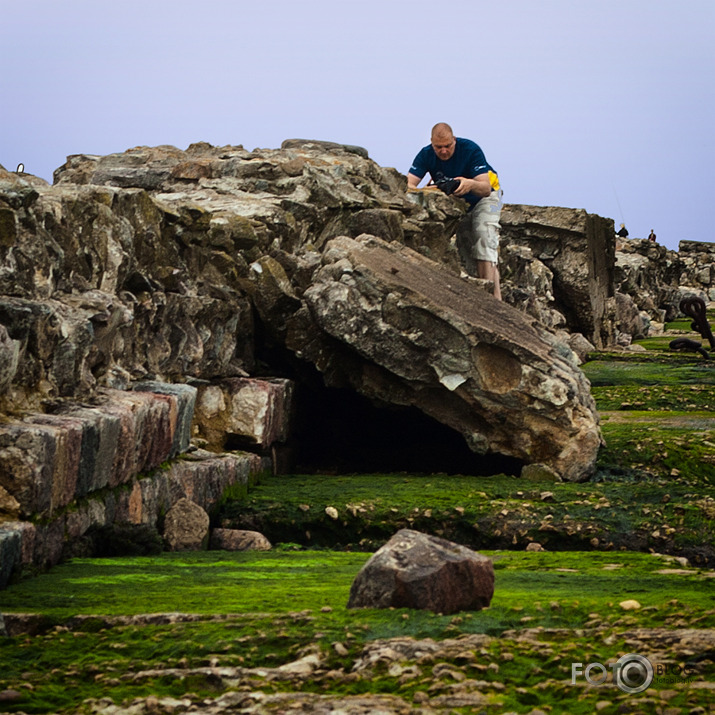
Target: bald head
442, 130
443, 141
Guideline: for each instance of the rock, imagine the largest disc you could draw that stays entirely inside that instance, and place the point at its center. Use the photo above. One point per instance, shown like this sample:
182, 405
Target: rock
49, 460
401, 329
580, 346
9, 696
239, 540
185, 273
528, 285
9, 506
414, 570
300, 143
578, 248
9, 355
534, 546
539, 473
650, 275
247, 411
184, 402
629, 320
629, 605
186, 527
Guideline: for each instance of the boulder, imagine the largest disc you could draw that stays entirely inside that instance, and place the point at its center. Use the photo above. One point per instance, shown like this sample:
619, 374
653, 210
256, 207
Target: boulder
578, 248
239, 540
404, 330
415, 570
186, 527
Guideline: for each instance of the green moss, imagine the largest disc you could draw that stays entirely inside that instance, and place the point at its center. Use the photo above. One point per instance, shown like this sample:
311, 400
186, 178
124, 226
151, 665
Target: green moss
499, 512
682, 398
548, 591
644, 370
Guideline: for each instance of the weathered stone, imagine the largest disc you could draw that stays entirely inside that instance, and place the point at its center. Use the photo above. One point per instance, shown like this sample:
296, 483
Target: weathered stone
186, 527
580, 345
202, 477
650, 275
401, 329
49, 460
185, 400
414, 570
27, 459
9, 355
579, 249
239, 540
300, 143
255, 411
53, 344
9, 506
527, 284
273, 293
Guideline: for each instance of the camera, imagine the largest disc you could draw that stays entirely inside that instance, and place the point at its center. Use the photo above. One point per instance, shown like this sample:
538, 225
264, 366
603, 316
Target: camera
448, 186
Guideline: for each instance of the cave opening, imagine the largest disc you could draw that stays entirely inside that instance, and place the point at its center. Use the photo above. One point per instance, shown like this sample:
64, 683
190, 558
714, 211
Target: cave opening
339, 431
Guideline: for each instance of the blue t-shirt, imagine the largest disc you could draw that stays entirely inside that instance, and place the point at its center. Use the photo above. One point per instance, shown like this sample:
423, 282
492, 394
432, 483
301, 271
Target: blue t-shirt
468, 160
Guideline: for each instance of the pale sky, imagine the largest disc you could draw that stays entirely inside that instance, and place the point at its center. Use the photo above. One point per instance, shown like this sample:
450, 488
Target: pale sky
605, 105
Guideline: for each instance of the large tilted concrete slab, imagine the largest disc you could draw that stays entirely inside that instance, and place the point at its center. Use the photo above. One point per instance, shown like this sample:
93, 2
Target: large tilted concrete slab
402, 329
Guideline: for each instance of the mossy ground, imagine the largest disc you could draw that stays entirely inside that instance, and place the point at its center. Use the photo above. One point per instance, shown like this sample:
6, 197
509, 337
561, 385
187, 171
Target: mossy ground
622, 536
549, 610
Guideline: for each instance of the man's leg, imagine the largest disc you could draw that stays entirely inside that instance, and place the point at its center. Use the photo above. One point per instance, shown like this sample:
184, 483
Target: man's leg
485, 228
490, 271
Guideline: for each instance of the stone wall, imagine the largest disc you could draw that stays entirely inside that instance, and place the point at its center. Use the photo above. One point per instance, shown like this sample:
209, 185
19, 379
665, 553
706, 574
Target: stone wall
126, 458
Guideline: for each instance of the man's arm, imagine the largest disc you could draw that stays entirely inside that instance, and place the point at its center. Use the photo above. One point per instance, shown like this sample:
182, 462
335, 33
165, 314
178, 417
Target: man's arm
479, 186
412, 181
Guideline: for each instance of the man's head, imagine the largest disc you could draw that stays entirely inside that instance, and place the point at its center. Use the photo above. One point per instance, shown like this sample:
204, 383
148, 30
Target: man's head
443, 141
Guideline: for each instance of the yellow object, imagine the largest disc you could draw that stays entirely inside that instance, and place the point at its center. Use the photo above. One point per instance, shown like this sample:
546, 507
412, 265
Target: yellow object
494, 181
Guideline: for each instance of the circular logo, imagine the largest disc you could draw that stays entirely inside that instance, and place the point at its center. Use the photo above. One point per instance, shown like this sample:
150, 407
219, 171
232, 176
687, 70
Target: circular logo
633, 673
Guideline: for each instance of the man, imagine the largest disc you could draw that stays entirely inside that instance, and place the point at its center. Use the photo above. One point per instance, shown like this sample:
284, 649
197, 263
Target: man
450, 157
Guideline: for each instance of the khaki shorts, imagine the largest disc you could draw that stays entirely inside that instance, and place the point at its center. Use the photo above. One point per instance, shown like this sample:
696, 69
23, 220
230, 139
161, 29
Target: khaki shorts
478, 233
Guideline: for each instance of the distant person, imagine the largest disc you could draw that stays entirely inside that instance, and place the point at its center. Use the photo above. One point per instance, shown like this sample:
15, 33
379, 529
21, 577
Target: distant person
623, 233
462, 161
651, 236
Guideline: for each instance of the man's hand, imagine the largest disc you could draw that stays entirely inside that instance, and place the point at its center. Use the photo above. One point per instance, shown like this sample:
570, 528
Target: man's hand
479, 186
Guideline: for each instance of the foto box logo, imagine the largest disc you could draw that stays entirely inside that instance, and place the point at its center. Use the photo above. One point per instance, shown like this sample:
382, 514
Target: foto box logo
632, 673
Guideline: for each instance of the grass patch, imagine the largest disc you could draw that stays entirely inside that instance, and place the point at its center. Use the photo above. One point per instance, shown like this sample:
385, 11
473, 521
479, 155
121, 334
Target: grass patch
636, 369
57, 670
496, 512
